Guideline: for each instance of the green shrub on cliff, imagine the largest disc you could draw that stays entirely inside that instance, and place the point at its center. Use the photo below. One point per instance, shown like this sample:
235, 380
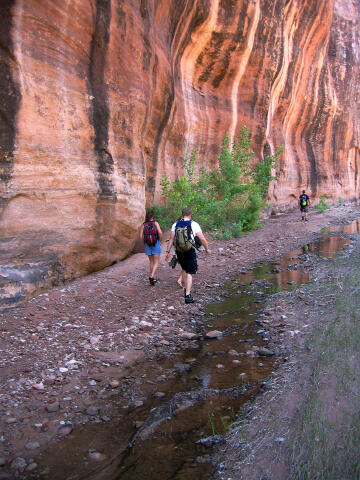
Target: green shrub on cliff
228, 199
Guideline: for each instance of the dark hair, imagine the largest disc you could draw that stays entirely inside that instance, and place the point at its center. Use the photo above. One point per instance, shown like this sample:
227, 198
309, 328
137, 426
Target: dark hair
149, 216
303, 191
186, 212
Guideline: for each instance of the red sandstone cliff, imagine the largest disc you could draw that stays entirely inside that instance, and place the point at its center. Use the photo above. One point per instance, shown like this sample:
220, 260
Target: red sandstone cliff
99, 98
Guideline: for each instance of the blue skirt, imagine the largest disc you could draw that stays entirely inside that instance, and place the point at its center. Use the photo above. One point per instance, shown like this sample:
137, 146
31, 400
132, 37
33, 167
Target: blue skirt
153, 249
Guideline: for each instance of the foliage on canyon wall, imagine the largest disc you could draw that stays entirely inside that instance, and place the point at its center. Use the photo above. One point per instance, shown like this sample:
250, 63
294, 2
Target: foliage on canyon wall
227, 199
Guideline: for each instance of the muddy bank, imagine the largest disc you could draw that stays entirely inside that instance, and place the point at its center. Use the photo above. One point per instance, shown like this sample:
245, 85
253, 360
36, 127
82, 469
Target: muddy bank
74, 358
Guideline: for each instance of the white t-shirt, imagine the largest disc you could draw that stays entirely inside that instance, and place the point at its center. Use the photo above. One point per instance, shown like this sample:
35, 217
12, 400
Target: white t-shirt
195, 227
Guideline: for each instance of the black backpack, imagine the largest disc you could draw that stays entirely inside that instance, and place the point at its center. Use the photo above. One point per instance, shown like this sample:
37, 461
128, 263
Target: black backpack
303, 200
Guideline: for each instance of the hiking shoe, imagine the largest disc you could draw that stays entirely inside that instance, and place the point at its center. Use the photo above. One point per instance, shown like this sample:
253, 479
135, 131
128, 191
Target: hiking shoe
152, 280
189, 298
184, 292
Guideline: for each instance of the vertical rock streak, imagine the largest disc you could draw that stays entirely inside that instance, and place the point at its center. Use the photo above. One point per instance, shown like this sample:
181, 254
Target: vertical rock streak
10, 97
242, 67
199, 39
98, 91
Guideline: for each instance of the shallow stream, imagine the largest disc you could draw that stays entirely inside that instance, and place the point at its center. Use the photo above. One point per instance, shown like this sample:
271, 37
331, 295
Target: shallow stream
169, 434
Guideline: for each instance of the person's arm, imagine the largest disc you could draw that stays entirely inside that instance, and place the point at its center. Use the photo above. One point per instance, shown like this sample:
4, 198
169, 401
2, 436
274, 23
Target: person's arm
159, 230
141, 232
204, 242
169, 245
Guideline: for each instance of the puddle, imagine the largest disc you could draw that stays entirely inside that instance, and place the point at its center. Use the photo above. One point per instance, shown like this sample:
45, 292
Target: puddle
208, 383
351, 228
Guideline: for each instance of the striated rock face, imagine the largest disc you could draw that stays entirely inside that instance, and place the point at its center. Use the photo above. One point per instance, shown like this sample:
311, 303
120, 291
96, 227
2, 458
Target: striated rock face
99, 98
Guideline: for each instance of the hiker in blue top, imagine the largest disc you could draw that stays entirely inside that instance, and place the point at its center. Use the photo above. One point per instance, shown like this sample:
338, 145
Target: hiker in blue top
184, 235
151, 233
304, 204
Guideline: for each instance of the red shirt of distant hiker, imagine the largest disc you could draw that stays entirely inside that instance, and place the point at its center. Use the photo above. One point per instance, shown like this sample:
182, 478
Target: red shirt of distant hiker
187, 259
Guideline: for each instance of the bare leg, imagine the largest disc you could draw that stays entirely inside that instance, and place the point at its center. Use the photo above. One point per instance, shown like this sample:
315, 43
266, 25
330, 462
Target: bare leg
188, 283
151, 261
155, 264
179, 281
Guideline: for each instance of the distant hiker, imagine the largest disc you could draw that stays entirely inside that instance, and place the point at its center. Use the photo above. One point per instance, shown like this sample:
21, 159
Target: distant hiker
304, 203
183, 235
151, 233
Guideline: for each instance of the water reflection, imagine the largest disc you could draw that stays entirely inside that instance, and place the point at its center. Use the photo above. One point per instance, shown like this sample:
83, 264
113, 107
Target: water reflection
350, 229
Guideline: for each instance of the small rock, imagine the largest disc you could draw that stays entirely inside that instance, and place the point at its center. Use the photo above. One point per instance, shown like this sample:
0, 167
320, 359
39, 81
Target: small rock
65, 430
159, 394
219, 365
138, 424
139, 403
265, 352
52, 407
32, 445
187, 335
92, 411
10, 420
18, 463
233, 353
38, 386
32, 466
32, 408
214, 334
2, 461
97, 456
143, 323
114, 383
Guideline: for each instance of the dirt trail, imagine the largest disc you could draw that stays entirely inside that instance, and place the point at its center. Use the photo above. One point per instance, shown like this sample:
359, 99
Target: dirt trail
66, 351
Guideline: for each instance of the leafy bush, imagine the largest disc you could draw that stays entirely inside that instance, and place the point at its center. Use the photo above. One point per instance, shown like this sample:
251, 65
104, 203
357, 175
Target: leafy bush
227, 199
322, 205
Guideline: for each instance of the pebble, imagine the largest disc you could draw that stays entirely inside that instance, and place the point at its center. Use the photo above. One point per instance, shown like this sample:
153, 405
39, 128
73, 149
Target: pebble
92, 411
214, 334
32, 445
65, 429
233, 353
32, 466
2, 461
38, 386
10, 420
187, 335
114, 383
139, 403
159, 394
97, 456
52, 407
265, 352
18, 463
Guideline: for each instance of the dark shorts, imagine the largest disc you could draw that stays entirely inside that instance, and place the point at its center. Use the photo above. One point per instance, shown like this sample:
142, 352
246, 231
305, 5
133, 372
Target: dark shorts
188, 261
304, 209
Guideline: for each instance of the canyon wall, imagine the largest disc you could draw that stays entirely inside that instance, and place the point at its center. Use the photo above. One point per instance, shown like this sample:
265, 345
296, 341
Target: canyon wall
99, 98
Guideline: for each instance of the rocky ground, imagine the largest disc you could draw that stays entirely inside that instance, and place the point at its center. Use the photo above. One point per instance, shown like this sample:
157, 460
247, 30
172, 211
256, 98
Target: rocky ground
66, 354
